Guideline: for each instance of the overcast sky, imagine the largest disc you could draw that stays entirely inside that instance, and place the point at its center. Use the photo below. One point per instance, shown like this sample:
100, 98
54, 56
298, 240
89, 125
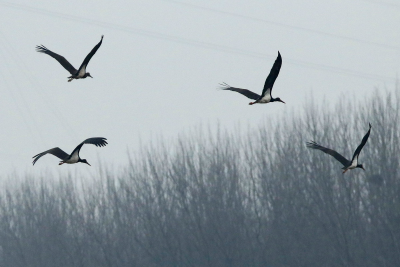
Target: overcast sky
161, 61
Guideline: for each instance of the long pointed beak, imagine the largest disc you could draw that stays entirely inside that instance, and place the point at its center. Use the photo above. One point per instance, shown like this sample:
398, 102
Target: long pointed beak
90, 76
88, 163
283, 102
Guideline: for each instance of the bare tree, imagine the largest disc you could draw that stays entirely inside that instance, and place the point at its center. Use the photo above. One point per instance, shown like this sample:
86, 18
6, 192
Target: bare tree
220, 198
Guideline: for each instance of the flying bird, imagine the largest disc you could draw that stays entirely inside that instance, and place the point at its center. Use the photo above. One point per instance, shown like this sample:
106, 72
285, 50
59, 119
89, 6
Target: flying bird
74, 157
348, 165
75, 74
266, 96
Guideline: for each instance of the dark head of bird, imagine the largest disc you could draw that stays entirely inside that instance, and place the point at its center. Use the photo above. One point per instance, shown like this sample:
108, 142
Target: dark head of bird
84, 161
277, 100
360, 166
87, 74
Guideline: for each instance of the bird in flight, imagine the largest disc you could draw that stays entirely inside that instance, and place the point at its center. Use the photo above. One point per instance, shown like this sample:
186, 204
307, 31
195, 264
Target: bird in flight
74, 157
348, 165
266, 96
75, 74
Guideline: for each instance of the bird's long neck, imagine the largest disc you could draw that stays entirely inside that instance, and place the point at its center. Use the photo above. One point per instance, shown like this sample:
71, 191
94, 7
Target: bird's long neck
276, 100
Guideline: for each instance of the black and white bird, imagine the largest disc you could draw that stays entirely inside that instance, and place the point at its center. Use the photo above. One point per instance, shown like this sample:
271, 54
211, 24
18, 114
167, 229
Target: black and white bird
266, 96
75, 74
348, 165
74, 157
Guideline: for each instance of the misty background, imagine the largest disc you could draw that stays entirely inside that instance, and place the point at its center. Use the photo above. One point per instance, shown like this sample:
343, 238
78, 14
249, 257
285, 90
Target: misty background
161, 61
194, 176
223, 199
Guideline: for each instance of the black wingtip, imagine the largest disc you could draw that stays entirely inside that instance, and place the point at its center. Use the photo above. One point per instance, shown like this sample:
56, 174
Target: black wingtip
370, 126
223, 86
103, 142
41, 48
311, 144
102, 37
35, 158
279, 59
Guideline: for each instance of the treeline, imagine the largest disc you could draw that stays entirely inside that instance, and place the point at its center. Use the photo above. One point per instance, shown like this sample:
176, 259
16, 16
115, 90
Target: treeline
257, 198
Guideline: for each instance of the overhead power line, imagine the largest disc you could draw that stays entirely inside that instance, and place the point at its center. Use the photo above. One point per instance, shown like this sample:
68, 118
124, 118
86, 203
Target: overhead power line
196, 43
288, 26
382, 3
23, 110
63, 121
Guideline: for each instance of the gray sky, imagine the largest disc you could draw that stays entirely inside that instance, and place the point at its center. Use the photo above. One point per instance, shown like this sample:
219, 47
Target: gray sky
161, 61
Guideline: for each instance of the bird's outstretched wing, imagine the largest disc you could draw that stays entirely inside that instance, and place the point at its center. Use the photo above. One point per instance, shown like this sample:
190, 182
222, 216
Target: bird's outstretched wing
60, 59
90, 55
329, 151
58, 152
273, 74
364, 140
244, 92
97, 141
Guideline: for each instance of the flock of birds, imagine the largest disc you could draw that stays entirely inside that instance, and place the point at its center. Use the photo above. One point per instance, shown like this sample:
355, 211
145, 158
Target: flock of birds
264, 98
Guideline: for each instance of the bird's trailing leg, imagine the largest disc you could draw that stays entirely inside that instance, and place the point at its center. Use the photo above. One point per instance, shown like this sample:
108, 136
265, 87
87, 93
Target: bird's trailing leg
345, 170
252, 103
70, 79
61, 163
